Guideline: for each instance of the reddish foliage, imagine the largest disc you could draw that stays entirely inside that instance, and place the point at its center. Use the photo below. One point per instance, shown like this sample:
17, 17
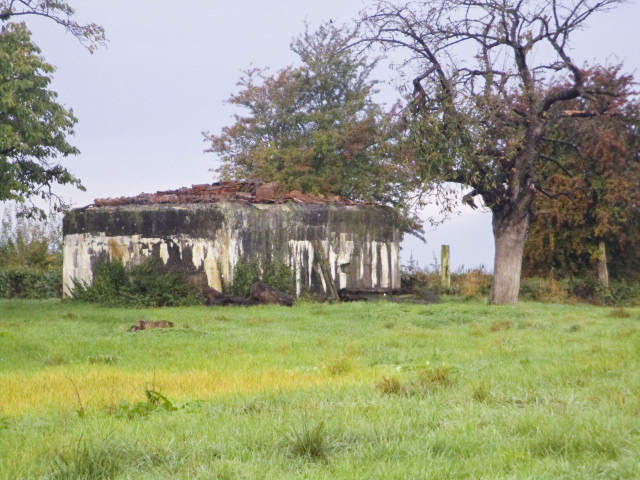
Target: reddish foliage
595, 195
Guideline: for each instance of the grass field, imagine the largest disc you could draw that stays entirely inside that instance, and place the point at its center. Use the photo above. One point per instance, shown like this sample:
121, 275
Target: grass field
349, 391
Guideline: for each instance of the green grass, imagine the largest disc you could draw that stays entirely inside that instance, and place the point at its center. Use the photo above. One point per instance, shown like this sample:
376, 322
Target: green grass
455, 390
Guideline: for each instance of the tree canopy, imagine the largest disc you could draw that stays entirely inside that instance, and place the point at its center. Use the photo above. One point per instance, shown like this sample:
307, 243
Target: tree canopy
490, 78
591, 190
34, 127
313, 127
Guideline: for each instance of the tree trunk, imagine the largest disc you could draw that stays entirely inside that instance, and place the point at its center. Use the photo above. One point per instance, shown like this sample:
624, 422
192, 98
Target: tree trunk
509, 232
603, 272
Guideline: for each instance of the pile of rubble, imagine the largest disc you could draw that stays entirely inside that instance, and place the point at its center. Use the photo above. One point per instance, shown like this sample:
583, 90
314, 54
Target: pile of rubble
245, 192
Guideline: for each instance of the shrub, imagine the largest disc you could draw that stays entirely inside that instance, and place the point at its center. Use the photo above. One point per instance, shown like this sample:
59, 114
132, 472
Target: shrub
544, 290
625, 292
25, 282
145, 285
110, 285
471, 283
245, 274
275, 274
159, 288
589, 289
413, 277
279, 276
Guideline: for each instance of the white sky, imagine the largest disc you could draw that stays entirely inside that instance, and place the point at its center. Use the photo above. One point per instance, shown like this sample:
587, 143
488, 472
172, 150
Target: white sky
144, 101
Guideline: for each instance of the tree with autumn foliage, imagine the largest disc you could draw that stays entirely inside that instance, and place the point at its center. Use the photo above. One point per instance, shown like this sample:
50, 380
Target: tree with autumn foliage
590, 193
313, 127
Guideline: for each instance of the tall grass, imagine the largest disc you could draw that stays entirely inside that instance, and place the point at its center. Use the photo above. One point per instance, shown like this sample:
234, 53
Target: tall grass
454, 390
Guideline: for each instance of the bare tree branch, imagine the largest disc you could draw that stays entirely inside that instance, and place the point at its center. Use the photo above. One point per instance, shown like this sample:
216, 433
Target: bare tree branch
90, 35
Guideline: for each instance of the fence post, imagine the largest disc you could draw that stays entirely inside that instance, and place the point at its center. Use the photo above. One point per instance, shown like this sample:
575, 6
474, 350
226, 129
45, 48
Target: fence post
445, 269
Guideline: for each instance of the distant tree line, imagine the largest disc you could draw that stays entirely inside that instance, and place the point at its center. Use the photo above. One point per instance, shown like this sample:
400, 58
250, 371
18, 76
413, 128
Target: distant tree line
30, 255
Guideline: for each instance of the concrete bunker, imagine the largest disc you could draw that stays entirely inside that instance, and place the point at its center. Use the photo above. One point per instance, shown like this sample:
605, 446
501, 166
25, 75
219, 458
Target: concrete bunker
205, 230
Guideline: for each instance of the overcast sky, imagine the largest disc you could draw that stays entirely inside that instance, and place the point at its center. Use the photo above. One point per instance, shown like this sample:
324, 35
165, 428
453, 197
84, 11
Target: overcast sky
144, 101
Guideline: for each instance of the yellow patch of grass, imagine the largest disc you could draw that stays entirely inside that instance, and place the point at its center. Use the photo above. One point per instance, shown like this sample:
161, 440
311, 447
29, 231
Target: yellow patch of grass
100, 389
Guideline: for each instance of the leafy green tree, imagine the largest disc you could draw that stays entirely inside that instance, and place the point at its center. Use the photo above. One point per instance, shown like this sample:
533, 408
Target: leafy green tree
489, 78
33, 126
313, 128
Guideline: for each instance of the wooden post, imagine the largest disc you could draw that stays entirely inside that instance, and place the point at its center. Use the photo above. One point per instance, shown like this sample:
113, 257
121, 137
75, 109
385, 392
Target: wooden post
603, 272
445, 267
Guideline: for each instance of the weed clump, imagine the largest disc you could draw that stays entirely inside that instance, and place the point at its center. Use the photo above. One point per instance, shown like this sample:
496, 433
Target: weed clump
475, 330
481, 391
311, 442
340, 366
428, 380
501, 325
87, 460
55, 358
435, 377
619, 313
106, 359
390, 386
156, 402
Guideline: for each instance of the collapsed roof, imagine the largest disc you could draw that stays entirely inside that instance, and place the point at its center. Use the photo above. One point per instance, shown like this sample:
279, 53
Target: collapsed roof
234, 191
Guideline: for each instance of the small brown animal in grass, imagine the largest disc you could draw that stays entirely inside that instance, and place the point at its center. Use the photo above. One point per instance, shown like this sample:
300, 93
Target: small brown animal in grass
145, 324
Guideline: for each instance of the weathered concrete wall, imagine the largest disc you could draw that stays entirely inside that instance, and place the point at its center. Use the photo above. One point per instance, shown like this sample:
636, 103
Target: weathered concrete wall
358, 244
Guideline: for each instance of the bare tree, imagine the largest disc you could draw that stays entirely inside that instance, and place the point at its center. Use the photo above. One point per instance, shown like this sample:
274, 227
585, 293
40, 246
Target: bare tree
489, 79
